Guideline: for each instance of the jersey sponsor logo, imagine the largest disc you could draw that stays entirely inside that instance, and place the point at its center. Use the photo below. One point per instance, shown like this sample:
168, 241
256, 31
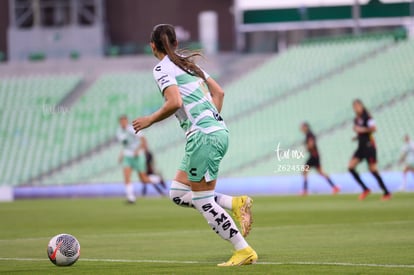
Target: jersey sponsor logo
163, 80
217, 116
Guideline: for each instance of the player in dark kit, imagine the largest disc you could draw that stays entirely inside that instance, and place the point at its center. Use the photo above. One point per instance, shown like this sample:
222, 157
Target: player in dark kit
152, 173
314, 160
364, 127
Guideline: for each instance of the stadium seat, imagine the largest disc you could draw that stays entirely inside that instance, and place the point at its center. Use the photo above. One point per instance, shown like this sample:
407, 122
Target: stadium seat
29, 105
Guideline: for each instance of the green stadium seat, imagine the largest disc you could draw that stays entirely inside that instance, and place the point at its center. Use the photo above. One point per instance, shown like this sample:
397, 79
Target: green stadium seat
28, 104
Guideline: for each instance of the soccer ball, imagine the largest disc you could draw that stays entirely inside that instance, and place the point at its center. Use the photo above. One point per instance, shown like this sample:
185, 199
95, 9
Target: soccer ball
63, 250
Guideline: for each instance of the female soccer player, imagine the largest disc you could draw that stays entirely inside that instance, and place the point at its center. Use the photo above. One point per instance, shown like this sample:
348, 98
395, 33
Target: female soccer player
407, 156
196, 100
133, 157
364, 127
153, 174
314, 160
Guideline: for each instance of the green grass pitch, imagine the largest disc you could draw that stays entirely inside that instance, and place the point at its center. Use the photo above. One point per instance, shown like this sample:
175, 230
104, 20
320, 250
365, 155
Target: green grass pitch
292, 235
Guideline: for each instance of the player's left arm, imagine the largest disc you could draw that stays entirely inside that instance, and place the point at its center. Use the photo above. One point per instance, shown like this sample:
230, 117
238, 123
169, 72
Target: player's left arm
172, 103
120, 157
217, 93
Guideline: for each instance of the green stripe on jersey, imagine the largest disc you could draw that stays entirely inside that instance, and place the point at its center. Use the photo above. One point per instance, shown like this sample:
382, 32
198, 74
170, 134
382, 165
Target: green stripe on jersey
195, 96
186, 78
198, 112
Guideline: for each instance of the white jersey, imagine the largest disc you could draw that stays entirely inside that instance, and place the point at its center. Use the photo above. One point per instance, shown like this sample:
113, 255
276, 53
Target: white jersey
408, 151
129, 140
197, 113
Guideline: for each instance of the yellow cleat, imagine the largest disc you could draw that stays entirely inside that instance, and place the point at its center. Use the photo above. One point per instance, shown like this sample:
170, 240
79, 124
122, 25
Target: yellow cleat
242, 212
243, 256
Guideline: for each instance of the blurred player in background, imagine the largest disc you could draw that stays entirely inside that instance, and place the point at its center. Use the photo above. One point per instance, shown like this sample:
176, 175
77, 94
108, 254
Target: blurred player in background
364, 127
152, 173
407, 157
133, 157
196, 100
314, 160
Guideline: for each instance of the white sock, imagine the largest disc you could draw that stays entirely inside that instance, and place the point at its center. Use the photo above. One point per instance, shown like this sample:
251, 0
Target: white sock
129, 189
219, 220
224, 201
154, 179
181, 195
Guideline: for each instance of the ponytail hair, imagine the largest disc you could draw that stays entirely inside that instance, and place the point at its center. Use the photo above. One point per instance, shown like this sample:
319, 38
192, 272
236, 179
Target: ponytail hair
365, 112
164, 38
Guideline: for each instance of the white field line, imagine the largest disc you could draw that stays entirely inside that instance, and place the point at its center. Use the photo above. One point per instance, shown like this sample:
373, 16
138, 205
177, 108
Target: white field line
339, 264
200, 262
185, 232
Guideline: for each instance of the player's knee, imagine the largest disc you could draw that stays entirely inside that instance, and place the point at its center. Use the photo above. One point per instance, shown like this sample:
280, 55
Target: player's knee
175, 199
175, 196
373, 170
180, 199
180, 194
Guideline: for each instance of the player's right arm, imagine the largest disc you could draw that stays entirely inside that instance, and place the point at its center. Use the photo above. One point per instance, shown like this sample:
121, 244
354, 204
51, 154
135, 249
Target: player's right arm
217, 93
371, 127
120, 157
172, 102
168, 86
